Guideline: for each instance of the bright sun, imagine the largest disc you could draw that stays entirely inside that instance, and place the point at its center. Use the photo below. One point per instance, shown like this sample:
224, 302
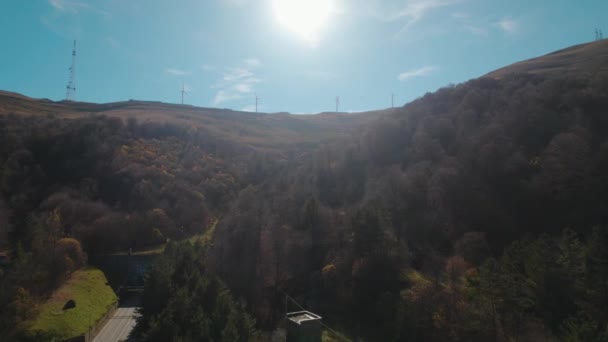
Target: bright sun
304, 17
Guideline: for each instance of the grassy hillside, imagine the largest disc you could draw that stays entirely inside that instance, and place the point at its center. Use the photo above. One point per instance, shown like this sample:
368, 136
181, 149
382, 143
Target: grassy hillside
262, 131
583, 59
93, 296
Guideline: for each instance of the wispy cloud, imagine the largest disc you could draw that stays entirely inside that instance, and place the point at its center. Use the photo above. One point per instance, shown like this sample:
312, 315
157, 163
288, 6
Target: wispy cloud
237, 81
508, 25
177, 72
410, 12
64, 17
74, 7
64, 5
484, 27
58, 4
416, 10
420, 72
471, 24
237, 73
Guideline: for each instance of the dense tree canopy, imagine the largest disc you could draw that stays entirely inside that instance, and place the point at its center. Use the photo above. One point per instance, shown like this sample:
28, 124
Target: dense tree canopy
106, 185
183, 302
425, 195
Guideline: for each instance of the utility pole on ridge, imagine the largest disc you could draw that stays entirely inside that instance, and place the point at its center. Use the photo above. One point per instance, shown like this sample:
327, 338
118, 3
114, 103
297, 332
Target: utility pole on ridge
337, 103
70, 93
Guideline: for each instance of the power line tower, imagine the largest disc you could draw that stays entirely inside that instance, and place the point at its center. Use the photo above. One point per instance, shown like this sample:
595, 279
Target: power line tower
337, 103
184, 92
70, 93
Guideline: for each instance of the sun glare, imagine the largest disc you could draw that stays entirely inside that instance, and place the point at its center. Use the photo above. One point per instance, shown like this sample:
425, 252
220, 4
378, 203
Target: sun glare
304, 17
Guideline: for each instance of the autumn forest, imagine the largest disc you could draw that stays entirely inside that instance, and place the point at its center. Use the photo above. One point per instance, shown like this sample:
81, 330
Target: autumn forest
478, 212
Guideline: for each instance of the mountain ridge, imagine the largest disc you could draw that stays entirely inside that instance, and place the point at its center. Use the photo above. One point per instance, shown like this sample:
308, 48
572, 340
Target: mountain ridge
582, 58
260, 130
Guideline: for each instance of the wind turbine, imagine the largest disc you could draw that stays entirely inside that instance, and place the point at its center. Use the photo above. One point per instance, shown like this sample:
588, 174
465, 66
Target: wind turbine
184, 92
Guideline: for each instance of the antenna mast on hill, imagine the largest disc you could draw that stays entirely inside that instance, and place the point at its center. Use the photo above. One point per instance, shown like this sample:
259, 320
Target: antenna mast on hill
256, 102
70, 92
392, 100
337, 103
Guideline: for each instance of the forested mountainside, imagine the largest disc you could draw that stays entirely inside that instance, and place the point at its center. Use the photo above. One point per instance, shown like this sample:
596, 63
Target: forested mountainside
400, 233
478, 212
79, 179
144, 159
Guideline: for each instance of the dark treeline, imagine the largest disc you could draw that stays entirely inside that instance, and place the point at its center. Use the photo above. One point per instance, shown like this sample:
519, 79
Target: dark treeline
399, 234
183, 302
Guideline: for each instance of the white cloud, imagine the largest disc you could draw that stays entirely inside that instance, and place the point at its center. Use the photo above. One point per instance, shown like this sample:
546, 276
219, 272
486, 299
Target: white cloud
508, 25
177, 72
237, 81
420, 72
235, 74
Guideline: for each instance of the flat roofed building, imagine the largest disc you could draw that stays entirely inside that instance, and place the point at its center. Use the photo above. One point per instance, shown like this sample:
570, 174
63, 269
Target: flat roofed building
303, 326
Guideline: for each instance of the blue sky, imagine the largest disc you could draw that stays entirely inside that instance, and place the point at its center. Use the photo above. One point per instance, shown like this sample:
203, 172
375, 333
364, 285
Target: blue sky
225, 51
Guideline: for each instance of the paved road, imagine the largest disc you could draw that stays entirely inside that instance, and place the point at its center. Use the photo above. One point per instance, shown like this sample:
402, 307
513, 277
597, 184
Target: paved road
118, 327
